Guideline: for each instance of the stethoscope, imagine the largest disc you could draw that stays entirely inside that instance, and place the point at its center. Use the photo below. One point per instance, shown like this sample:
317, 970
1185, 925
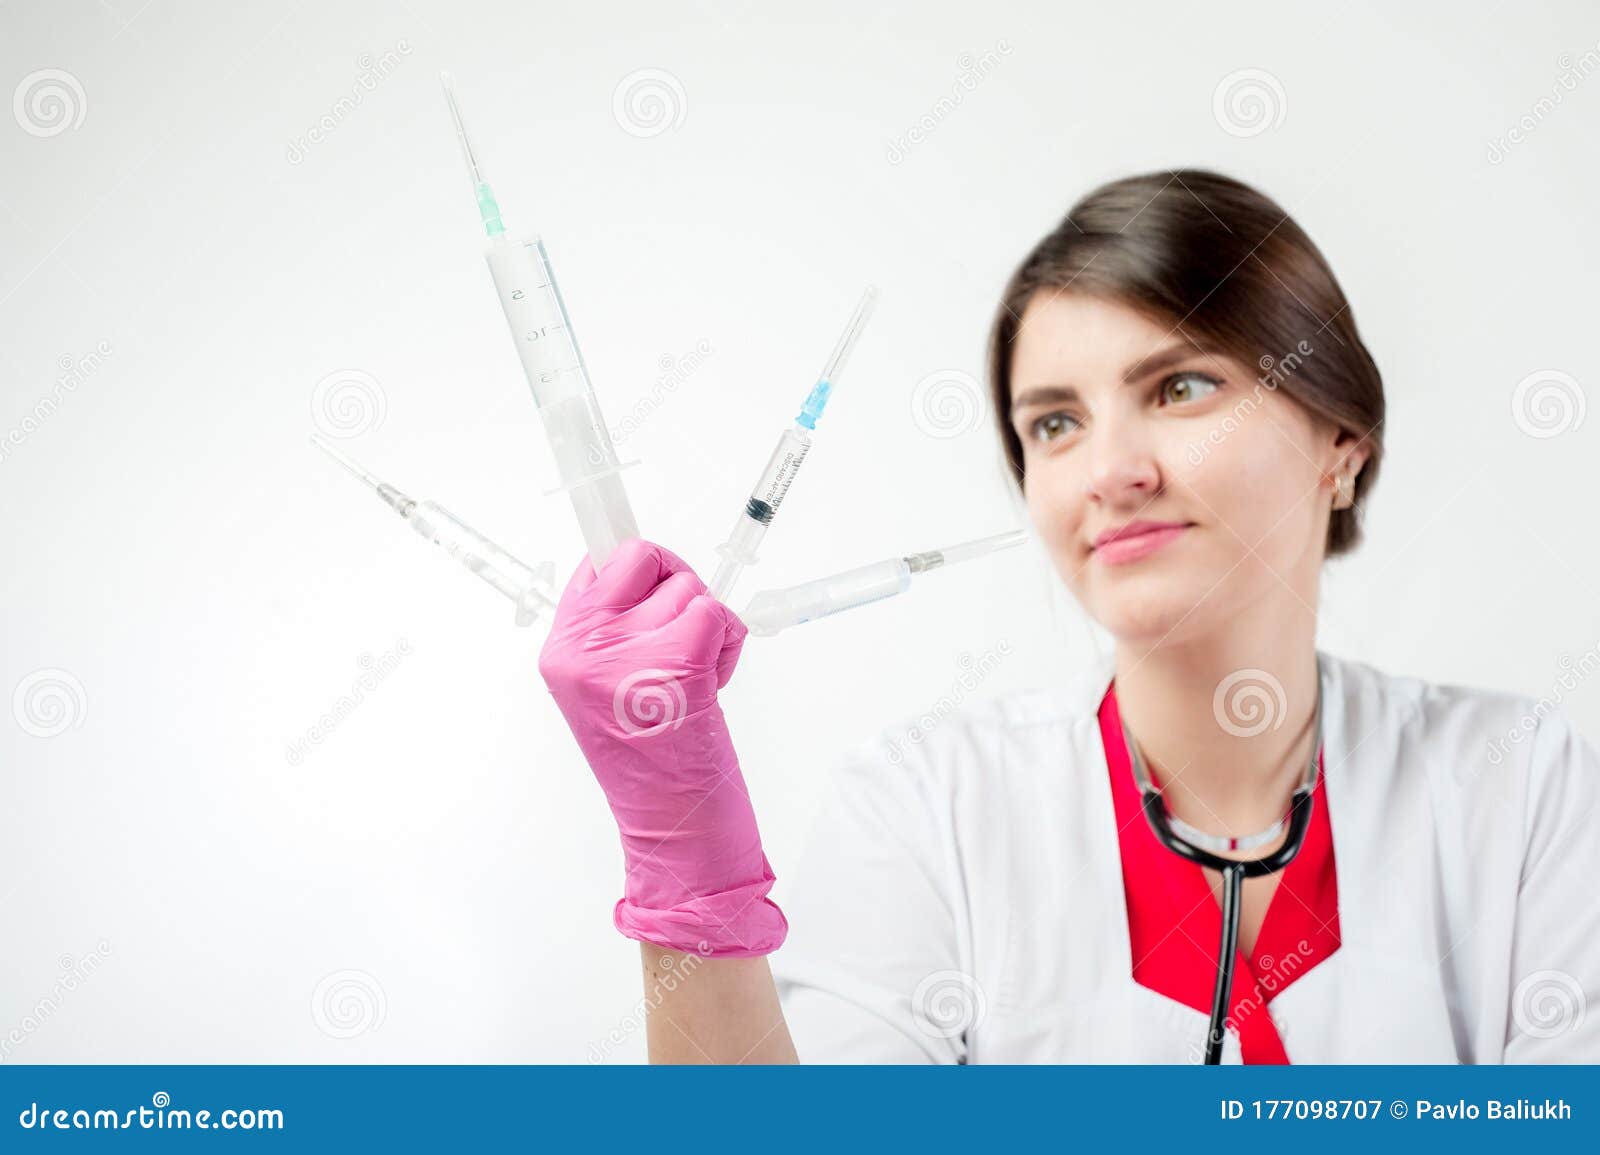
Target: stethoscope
1197, 846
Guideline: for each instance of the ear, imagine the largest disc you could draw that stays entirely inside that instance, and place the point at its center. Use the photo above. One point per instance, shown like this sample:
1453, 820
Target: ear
1350, 452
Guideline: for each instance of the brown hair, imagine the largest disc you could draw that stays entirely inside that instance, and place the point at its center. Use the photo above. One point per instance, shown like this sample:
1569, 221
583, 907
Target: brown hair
1216, 259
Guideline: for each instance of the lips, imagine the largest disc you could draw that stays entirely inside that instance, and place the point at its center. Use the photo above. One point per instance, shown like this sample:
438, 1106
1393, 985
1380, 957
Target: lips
1136, 540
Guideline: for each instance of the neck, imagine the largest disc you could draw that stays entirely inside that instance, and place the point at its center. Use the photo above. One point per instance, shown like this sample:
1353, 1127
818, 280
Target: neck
1226, 763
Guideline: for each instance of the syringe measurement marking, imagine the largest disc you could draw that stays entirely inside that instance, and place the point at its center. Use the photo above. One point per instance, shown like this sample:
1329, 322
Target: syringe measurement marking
779, 488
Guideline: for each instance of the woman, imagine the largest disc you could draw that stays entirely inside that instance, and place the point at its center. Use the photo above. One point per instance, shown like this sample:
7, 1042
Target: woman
1194, 421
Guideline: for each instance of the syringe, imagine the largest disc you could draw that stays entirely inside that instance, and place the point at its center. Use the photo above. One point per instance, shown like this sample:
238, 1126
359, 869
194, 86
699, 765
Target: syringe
773, 610
580, 441
740, 548
531, 589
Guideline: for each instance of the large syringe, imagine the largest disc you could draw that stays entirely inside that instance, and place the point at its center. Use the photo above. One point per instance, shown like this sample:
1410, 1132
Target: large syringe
585, 458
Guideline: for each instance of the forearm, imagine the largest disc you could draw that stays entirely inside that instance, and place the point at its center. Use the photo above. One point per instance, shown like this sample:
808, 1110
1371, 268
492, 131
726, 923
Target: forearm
710, 1010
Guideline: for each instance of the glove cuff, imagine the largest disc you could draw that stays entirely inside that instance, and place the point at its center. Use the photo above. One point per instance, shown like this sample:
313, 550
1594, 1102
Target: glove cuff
738, 923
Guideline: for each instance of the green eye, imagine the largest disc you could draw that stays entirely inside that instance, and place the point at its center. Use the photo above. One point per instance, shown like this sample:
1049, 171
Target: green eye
1052, 426
1190, 386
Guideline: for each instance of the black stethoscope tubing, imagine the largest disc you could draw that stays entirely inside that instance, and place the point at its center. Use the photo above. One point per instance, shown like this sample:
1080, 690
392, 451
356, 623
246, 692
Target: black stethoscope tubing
1234, 872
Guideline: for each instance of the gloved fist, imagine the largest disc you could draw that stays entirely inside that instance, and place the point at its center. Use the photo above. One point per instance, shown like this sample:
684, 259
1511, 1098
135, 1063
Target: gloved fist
634, 660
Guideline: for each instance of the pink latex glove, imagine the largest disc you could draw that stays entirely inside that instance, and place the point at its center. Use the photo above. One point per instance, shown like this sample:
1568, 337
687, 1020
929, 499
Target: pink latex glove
634, 660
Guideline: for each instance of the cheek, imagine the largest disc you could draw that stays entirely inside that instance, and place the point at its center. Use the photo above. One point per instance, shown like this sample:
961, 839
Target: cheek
1055, 503
1253, 480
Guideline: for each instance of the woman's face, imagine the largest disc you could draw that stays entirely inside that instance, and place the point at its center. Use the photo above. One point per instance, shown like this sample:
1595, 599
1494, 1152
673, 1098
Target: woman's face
1172, 487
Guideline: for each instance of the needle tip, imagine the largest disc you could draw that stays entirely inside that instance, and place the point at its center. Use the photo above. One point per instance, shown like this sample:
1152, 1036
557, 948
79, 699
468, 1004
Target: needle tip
343, 460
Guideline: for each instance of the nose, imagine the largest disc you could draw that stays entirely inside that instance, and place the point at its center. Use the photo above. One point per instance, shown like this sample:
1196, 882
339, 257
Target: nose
1122, 466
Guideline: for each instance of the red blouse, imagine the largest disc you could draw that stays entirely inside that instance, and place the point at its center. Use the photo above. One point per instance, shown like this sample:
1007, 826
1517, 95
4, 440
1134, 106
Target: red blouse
1175, 923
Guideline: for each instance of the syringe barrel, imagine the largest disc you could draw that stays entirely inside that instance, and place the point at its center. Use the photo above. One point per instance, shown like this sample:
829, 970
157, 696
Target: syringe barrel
580, 442
779, 474
767, 497
774, 610
469, 547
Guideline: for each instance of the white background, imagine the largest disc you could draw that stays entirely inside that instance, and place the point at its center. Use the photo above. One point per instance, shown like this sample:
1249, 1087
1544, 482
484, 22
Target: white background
173, 546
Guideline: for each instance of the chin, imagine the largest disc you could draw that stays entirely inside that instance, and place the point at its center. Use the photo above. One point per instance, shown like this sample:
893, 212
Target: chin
1146, 624
1147, 611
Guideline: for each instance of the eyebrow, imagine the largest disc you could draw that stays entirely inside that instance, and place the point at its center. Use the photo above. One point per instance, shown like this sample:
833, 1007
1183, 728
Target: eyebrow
1144, 367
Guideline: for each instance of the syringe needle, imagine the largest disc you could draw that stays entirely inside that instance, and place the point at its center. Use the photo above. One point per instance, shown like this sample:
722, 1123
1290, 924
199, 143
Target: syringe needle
852, 333
350, 465
448, 81
488, 209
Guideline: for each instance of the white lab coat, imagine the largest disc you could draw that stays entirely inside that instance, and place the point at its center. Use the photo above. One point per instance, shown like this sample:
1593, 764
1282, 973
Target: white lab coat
962, 898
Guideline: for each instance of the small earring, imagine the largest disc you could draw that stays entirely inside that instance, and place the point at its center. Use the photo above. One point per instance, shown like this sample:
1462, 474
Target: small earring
1343, 492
